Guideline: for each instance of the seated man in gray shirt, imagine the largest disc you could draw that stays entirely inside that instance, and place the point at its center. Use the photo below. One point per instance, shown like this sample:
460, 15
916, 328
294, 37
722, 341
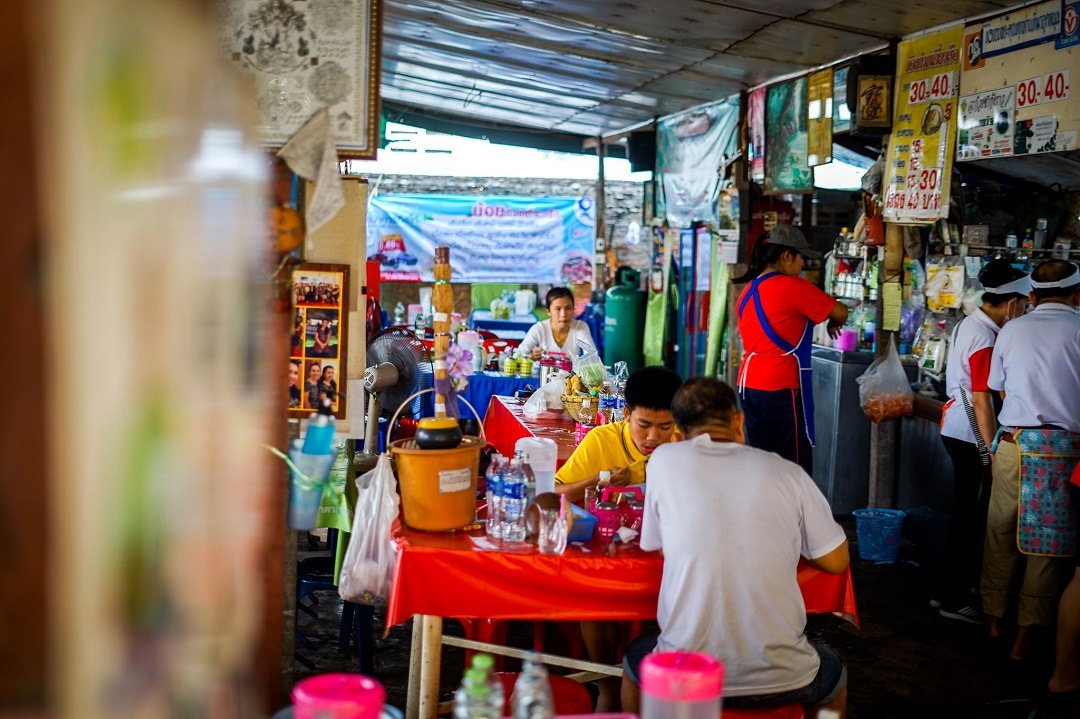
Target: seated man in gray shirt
733, 522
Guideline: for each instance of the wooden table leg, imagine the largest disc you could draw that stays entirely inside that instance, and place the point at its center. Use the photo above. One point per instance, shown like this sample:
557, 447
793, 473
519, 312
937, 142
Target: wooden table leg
430, 664
412, 699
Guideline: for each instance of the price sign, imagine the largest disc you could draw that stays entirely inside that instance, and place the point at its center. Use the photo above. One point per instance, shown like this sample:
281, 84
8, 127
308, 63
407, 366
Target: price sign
939, 87
1051, 87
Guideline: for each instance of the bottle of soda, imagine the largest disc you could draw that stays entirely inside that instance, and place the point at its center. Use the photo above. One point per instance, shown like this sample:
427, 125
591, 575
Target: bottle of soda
532, 698
513, 503
494, 496
530, 476
480, 695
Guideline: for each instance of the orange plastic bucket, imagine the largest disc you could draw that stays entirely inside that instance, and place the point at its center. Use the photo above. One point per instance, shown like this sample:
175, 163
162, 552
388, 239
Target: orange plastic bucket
438, 486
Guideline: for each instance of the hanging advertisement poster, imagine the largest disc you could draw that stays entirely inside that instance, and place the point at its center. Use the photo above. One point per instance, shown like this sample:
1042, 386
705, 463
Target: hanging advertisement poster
924, 128
1018, 66
491, 239
786, 168
986, 125
841, 121
690, 147
819, 130
755, 118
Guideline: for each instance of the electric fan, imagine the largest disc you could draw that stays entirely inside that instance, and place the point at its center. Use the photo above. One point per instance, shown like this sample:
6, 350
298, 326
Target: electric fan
398, 366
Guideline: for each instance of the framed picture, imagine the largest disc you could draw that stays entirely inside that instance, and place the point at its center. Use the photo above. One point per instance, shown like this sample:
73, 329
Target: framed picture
317, 348
301, 56
873, 107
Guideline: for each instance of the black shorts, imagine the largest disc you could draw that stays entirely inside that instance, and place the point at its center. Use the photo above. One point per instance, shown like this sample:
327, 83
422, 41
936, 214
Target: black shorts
831, 679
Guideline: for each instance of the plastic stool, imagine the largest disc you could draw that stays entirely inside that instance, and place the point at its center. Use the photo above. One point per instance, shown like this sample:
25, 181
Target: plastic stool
791, 711
570, 696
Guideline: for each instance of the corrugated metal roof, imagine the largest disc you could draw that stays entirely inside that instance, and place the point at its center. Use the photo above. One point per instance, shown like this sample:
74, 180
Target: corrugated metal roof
598, 67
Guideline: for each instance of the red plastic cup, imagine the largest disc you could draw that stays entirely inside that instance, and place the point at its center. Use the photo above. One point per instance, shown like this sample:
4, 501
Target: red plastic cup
338, 696
681, 684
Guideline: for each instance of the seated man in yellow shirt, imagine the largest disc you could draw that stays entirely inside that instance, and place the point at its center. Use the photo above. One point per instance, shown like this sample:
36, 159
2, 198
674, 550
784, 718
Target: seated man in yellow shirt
623, 448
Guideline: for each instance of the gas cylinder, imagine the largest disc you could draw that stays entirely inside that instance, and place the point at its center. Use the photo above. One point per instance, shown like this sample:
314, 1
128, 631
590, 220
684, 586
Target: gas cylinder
624, 320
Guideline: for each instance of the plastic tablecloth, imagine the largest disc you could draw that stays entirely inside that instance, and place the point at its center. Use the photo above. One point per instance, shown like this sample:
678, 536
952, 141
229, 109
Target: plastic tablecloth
466, 575
505, 423
481, 388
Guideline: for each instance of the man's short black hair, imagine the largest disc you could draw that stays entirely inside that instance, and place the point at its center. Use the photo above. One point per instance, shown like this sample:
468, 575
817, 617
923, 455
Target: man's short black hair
1052, 271
651, 388
701, 401
995, 274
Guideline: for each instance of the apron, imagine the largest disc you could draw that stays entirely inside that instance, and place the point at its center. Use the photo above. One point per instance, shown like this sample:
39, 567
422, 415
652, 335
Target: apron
1044, 519
801, 352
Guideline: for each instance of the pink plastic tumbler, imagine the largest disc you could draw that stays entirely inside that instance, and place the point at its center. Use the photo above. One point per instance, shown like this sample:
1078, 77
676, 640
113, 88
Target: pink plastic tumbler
681, 685
338, 696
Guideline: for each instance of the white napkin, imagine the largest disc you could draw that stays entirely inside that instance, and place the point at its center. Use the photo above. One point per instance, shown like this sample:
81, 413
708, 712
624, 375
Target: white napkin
625, 534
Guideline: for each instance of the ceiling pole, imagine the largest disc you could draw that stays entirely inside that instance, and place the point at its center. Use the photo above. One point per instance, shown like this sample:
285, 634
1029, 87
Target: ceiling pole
599, 256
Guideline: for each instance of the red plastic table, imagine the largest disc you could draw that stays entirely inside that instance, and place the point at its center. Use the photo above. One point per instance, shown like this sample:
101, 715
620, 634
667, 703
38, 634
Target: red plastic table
505, 423
465, 575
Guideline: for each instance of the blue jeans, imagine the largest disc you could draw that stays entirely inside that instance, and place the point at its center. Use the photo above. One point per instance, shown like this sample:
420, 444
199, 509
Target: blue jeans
775, 423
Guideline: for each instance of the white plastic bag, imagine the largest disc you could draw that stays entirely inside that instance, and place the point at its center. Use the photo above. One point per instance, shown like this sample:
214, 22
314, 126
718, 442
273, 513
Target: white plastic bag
368, 567
884, 391
548, 397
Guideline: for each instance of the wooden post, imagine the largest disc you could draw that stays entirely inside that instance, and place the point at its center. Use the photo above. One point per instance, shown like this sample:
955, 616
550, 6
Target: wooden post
25, 462
884, 437
442, 300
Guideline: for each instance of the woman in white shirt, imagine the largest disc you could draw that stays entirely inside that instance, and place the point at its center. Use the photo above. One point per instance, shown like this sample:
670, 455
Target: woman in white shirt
561, 332
971, 408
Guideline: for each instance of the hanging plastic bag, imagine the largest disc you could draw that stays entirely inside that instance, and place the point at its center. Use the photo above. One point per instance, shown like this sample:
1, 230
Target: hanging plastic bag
368, 567
884, 391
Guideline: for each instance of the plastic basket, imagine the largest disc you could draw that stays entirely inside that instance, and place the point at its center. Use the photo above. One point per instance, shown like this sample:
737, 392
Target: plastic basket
880, 533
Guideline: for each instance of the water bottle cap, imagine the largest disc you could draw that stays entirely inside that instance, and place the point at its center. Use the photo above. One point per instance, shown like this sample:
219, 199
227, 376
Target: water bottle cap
682, 676
483, 662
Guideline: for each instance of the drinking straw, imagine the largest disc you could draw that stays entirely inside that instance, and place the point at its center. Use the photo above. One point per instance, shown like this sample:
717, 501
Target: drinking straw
562, 507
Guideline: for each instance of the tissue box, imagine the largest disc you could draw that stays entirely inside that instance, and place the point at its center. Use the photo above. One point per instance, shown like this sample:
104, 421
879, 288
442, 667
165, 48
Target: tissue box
584, 525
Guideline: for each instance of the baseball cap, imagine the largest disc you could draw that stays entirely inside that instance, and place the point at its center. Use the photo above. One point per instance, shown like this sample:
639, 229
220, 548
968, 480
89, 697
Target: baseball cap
789, 236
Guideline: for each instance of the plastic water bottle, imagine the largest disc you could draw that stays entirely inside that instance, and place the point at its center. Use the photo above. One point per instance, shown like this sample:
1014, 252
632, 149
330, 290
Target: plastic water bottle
399, 314
513, 503
532, 698
480, 695
530, 476
494, 496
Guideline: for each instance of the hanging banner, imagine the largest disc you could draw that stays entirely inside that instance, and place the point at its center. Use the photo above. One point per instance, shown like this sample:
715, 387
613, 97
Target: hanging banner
819, 117
924, 128
690, 149
786, 168
755, 118
841, 121
491, 239
1016, 80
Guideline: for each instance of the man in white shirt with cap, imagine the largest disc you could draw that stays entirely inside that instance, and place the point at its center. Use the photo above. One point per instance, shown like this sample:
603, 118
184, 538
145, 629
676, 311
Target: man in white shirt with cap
1036, 366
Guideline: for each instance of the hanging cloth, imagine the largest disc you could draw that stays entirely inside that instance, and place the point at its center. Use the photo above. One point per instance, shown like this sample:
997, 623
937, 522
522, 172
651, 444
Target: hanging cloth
801, 352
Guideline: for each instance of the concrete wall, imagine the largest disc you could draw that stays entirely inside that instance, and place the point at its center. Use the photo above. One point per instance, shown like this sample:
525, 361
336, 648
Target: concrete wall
623, 204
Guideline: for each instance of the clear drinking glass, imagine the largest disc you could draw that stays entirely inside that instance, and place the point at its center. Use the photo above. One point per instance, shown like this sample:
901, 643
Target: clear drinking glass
552, 532
590, 498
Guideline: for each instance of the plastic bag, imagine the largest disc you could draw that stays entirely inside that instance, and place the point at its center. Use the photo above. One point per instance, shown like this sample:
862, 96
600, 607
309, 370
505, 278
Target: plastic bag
368, 566
590, 368
547, 398
884, 392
